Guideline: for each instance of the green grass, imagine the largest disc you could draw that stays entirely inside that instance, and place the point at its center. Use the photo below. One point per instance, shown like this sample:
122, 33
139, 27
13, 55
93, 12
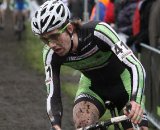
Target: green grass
70, 89
33, 50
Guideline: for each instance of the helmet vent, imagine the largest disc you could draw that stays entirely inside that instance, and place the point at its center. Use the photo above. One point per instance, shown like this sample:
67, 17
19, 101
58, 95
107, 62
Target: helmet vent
63, 13
52, 20
68, 17
51, 8
36, 25
36, 14
58, 9
44, 22
56, 23
43, 11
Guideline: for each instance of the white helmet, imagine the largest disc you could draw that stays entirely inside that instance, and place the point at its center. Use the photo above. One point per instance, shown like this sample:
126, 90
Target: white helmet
51, 15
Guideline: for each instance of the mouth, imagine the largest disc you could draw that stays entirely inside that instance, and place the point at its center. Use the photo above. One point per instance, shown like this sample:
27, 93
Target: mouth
58, 50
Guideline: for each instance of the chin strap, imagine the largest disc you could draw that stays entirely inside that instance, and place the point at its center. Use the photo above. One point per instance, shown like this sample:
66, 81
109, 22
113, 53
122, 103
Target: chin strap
71, 36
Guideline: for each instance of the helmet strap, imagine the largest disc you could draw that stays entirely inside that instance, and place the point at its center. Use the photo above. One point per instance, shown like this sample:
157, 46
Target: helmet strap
71, 37
70, 50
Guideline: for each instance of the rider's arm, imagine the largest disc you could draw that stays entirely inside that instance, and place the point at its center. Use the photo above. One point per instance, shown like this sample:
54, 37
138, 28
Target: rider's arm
111, 40
54, 104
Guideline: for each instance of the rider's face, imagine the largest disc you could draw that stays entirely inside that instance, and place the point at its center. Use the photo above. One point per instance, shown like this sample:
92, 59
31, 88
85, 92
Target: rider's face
58, 40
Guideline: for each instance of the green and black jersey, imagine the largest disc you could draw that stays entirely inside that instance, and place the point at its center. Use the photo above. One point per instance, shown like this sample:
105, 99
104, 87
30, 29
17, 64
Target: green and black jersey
102, 58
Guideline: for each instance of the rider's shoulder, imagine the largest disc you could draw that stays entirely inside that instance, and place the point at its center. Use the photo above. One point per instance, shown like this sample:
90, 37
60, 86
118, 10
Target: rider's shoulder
89, 25
93, 24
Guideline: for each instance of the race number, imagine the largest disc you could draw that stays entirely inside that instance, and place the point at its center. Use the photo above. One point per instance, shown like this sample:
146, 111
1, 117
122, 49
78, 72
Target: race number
48, 72
121, 50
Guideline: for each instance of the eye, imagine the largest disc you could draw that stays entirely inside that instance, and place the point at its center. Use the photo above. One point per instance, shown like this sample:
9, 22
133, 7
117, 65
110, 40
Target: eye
54, 36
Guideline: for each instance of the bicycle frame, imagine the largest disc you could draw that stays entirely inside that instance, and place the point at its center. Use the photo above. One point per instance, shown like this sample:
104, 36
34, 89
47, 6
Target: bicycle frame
114, 120
106, 124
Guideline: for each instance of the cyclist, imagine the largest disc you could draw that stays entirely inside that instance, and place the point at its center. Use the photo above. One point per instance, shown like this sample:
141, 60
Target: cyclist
110, 71
3, 6
19, 7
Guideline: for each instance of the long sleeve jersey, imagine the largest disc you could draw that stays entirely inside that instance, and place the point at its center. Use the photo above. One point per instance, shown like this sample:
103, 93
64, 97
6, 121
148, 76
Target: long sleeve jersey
101, 54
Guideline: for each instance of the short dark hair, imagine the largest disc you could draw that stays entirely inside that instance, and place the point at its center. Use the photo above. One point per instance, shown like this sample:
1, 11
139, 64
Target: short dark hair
77, 23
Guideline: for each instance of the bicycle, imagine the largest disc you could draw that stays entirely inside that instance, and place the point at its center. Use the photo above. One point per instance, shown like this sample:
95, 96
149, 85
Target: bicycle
114, 120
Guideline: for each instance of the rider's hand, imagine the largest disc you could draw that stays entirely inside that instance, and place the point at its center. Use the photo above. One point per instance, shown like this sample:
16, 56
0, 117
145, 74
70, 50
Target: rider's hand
136, 112
56, 127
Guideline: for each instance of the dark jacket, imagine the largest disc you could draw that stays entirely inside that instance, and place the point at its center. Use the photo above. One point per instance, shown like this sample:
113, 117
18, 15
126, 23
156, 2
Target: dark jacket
125, 16
143, 35
154, 25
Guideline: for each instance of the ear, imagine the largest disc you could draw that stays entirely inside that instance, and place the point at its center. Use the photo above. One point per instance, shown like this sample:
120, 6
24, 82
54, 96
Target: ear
70, 28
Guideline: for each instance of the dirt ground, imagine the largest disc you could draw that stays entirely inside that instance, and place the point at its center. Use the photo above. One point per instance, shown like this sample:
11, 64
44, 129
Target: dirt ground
22, 94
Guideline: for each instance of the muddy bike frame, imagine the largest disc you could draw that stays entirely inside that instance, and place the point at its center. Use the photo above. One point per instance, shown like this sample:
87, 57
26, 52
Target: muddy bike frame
103, 125
114, 120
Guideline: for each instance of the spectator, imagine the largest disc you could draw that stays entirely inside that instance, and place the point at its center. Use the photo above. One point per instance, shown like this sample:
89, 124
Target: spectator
19, 8
77, 8
3, 6
142, 36
154, 38
102, 9
154, 25
91, 4
110, 13
136, 19
124, 15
